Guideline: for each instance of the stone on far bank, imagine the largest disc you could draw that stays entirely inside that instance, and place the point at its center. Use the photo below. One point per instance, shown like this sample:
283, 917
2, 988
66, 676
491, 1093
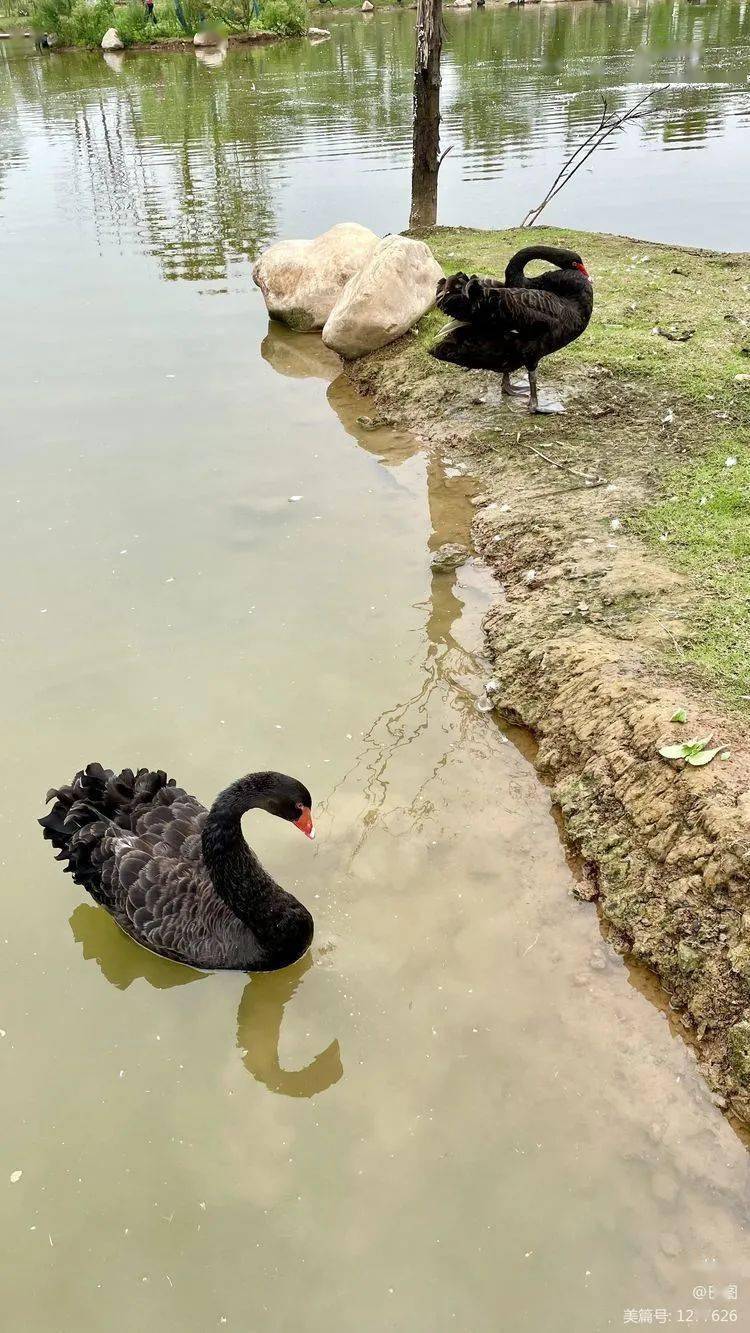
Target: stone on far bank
208, 38
112, 41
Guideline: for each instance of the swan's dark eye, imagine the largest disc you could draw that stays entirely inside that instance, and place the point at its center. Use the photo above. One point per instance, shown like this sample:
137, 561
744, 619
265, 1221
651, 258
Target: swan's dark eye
299, 806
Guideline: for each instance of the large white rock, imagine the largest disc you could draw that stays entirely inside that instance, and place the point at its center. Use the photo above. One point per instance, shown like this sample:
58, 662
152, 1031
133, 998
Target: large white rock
385, 298
301, 281
112, 41
367, 8
208, 38
462, 4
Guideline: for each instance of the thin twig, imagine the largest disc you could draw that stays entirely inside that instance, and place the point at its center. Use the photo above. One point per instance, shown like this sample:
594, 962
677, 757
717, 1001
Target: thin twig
668, 631
590, 138
566, 490
608, 125
595, 139
590, 479
444, 153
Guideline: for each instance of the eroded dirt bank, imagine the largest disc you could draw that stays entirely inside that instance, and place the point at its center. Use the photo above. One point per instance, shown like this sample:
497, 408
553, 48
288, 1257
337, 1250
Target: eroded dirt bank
592, 632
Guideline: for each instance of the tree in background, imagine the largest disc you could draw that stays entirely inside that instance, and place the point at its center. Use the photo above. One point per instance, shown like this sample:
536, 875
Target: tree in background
426, 152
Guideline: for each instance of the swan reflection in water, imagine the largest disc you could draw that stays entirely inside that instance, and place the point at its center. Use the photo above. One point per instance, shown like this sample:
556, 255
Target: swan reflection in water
258, 1031
259, 1016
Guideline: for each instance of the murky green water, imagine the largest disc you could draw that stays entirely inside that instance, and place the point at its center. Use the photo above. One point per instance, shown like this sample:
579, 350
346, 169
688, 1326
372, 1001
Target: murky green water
460, 1113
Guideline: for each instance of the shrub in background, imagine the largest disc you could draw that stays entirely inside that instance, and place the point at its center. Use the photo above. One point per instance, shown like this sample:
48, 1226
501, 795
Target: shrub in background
131, 24
288, 17
75, 24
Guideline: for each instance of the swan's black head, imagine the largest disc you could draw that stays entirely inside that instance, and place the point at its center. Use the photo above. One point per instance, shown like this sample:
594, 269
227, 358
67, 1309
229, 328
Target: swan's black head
570, 259
275, 792
287, 799
564, 260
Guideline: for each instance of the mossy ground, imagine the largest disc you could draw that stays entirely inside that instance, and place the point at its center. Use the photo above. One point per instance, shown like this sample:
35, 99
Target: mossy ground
698, 511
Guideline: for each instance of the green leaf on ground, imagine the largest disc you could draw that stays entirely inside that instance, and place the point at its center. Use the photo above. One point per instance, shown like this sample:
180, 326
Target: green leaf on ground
705, 757
694, 751
679, 716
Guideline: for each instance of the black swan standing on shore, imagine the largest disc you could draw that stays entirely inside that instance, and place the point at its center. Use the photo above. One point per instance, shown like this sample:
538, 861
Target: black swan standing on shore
510, 324
180, 879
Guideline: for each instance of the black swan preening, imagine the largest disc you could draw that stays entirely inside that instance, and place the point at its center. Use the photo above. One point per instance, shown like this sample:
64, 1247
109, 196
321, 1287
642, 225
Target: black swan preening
178, 878
513, 324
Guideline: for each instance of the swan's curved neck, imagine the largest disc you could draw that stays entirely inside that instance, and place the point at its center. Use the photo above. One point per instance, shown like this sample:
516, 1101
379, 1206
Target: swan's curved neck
235, 870
514, 275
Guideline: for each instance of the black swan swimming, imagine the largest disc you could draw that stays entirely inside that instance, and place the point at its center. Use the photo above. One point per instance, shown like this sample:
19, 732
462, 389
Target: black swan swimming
510, 324
180, 879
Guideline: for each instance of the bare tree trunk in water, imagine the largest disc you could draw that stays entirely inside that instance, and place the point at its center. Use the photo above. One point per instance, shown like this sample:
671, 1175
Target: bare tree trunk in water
425, 159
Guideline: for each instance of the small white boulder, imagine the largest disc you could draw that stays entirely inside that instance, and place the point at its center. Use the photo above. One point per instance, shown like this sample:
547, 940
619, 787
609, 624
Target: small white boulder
112, 41
462, 4
367, 7
381, 302
301, 281
318, 34
208, 38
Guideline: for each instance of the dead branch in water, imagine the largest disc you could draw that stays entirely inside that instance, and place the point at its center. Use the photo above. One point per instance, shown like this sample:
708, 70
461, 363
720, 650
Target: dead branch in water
608, 124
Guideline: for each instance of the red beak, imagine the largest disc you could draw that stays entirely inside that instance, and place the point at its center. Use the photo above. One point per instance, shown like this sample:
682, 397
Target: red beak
305, 823
582, 269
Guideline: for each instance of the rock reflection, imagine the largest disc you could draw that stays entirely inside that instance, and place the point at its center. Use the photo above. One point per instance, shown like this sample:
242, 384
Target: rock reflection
114, 60
211, 57
298, 355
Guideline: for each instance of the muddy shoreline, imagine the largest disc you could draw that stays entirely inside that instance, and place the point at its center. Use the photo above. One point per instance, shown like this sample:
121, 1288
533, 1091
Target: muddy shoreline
183, 44
586, 639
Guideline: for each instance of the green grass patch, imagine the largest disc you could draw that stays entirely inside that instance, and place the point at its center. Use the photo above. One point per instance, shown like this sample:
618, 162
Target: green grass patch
703, 527
676, 323
639, 286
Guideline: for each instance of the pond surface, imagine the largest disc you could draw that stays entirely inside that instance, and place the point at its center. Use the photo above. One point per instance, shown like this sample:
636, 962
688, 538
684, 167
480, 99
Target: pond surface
202, 164
461, 1112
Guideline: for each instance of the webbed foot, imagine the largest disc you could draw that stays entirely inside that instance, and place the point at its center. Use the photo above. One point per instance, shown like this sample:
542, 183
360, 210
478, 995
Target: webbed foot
545, 409
511, 390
